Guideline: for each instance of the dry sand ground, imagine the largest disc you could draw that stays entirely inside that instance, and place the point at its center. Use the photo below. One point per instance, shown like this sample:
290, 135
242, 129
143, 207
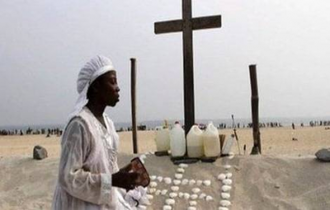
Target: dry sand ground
286, 176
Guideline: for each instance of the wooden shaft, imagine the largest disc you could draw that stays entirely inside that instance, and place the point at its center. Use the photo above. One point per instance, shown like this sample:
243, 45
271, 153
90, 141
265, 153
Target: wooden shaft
255, 110
189, 101
133, 99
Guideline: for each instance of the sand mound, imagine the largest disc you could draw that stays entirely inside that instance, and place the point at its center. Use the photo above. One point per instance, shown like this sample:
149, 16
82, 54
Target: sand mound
282, 183
29, 184
260, 182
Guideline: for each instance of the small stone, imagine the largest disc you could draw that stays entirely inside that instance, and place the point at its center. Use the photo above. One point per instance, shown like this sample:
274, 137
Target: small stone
229, 175
174, 188
227, 181
227, 167
158, 192
180, 170
202, 196
323, 155
209, 198
199, 182
181, 194
194, 196
193, 203
178, 176
160, 178
223, 208
226, 188
207, 182
39, 153
167, 180
225, 203
277, 186
170, 201
186, 196
153, 177
167, 207
173, 195
176, 182
183, 165
185, 182
192, 182
221, 177
191, 208
225, 195
153, 184
164, 192
152, 190
196, 190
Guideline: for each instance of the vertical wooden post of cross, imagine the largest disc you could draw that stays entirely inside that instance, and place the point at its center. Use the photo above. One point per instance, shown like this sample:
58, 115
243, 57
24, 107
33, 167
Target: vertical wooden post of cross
186, 25
133, 99
255, 111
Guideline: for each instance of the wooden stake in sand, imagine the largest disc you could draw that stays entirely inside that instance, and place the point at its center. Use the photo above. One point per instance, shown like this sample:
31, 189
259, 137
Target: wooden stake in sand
187, 25
235, 134
255, 111
133, 99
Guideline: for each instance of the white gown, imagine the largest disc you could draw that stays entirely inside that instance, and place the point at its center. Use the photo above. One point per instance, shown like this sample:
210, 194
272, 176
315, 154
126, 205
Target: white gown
88, 160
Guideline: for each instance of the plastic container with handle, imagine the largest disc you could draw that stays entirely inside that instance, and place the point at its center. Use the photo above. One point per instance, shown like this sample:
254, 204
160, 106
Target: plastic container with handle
211, 141
177, 141
195, 142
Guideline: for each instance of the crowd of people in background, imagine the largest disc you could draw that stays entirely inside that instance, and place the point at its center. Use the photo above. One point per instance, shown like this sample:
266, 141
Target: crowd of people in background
58, 132
29, 131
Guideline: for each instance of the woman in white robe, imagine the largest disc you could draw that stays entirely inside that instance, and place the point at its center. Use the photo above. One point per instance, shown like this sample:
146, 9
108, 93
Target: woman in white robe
89, 177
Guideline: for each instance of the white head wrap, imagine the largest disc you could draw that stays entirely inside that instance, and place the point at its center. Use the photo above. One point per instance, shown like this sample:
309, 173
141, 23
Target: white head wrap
96, 67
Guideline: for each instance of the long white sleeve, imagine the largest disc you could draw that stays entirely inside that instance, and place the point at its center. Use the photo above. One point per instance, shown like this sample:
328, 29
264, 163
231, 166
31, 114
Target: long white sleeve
74, 176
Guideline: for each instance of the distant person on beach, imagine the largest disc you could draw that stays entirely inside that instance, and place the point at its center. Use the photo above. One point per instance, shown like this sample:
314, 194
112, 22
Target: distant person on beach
89, 177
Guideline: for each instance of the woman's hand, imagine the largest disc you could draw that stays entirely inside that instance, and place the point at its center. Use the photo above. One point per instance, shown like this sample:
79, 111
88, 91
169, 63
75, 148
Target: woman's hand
124, 178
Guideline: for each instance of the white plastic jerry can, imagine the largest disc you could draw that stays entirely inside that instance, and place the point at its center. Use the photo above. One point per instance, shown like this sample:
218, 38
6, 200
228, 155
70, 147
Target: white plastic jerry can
211, 141
226, 148
177, 141
163, 139
195, 142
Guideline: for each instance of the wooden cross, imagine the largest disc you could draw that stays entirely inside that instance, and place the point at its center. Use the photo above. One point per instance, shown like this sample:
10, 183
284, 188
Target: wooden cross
187, 25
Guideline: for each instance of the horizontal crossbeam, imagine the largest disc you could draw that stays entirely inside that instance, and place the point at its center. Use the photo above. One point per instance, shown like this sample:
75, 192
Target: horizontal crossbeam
197, 24
168, 26
206, 22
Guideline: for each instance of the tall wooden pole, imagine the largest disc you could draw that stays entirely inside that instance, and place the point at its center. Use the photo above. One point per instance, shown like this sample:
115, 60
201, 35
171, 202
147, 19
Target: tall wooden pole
188, 66
255, 111
133, 99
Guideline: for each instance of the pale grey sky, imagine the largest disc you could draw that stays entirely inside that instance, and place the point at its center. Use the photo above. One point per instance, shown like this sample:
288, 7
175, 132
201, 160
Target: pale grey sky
44, 43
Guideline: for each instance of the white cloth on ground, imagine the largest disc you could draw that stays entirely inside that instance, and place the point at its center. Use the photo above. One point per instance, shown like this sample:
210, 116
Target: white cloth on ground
138, 196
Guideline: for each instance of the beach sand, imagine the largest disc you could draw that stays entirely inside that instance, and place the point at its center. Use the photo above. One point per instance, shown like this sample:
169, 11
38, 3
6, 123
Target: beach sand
286, 176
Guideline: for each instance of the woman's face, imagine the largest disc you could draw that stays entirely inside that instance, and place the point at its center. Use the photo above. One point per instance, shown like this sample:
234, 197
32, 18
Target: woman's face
109, 89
